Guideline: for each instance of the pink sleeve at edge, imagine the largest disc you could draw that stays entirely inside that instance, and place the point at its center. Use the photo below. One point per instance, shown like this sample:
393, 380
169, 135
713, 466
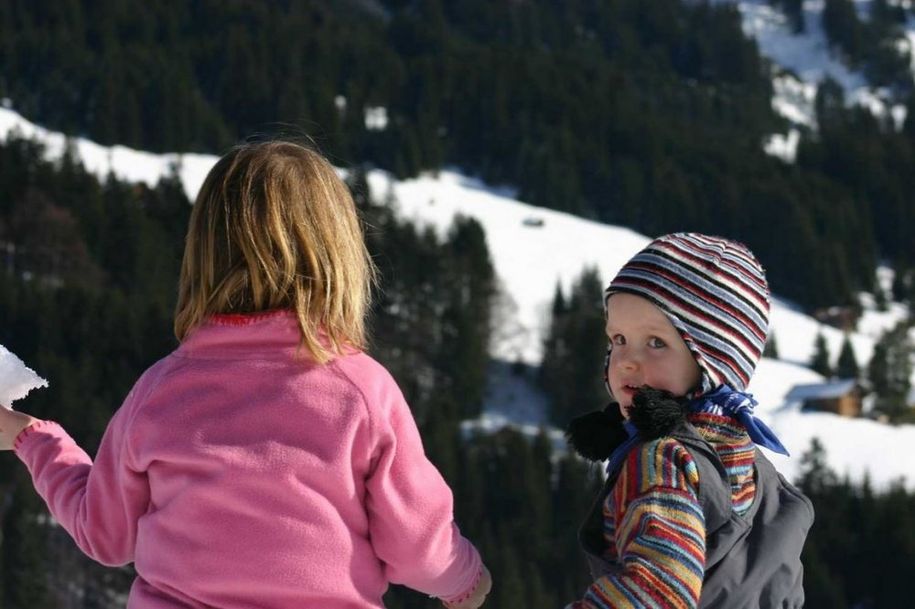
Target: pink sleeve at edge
98, 503
410, 509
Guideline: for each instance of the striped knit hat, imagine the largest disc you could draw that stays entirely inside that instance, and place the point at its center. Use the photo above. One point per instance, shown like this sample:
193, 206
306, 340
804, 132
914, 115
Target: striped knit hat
714, 291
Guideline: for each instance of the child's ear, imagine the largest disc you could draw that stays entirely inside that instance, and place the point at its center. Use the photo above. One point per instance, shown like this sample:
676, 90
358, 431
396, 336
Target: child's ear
595, 435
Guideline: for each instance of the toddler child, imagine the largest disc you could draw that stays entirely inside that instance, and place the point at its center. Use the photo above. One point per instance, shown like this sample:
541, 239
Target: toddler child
692, 514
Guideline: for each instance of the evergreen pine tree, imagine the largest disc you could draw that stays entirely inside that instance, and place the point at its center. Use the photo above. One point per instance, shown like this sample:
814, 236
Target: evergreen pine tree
886, 14
908, 127
820, 362
889, 372
574, 351
468, 283
822, 588
575, 491
829, 102
847, 366
771, 348
842, 27
880, 300
794, 10
559, 301
904, 288
894, 527
877, 368
816, 476
898, 288
511, 592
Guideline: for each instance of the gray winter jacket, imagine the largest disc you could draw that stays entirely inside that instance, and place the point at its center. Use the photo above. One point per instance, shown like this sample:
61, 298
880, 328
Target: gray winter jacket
752, 561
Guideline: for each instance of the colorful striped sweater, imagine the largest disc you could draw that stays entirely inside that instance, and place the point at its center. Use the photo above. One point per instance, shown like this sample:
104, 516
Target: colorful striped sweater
653, 523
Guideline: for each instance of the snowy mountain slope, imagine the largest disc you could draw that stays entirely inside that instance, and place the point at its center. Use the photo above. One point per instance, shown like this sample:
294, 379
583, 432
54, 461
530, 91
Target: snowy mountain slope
802, 61
529, 261
806, 55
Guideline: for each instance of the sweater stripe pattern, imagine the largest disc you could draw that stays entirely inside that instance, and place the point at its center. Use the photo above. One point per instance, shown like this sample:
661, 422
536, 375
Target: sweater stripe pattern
653, 522
736, 451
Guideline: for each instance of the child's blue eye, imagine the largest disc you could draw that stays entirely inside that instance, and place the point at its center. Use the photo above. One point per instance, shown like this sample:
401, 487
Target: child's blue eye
617, 339
656, 343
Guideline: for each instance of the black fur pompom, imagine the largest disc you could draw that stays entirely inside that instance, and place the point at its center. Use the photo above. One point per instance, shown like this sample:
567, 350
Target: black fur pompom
595, 435
656, 413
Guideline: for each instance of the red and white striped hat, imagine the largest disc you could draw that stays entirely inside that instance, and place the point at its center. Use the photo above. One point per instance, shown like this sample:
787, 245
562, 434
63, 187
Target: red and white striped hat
715, 293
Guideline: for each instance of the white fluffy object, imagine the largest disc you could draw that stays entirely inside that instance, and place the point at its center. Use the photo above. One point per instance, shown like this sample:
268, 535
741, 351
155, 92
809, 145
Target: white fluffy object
16, 379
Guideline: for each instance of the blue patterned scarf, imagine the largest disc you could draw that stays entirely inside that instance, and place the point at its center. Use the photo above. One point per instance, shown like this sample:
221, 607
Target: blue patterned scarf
725, 400
721, 401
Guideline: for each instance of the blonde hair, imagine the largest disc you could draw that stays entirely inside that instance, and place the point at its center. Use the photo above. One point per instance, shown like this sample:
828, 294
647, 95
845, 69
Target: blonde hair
274, 227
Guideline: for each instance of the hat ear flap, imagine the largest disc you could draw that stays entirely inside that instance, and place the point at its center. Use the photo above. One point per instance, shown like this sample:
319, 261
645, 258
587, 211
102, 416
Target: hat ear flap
596, 435
656, 413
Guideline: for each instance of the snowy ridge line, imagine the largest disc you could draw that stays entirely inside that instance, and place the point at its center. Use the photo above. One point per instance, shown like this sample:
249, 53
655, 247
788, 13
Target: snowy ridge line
124, 163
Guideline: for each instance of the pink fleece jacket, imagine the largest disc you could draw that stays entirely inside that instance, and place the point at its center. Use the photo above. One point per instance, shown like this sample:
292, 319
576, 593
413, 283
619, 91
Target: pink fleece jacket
240, 474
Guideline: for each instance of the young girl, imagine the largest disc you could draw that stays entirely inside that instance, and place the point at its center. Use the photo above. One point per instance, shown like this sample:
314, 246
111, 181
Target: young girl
692, 515
268, 461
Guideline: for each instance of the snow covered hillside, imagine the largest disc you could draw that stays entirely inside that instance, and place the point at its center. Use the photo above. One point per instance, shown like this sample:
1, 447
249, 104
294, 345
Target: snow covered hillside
803, 61
533, 249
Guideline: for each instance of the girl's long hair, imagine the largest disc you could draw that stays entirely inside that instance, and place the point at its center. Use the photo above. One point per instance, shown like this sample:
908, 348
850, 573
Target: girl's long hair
274, 227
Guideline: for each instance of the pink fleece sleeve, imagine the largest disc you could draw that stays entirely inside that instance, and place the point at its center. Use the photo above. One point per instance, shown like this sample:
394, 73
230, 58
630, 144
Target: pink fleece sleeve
97, 503
410, 508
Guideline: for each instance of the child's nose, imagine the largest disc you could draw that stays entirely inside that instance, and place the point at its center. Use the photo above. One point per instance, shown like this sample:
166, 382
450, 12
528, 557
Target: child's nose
628, 360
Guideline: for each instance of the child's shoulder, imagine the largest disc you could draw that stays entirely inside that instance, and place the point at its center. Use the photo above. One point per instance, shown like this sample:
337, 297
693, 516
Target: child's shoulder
154, 375
665, 449
364, 372
360, 364
663, 461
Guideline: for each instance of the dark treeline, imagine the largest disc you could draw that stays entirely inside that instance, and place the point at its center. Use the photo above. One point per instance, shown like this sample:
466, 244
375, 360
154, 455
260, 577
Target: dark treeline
869, 43
647, 114
861, 548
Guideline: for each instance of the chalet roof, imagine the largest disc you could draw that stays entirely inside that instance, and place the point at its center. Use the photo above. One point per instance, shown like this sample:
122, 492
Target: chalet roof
821, 391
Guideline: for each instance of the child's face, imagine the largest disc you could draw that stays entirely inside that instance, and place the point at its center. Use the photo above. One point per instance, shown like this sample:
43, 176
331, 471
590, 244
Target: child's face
646, 349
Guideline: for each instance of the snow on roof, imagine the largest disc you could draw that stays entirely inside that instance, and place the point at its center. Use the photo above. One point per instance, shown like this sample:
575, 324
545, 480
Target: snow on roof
821, 391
